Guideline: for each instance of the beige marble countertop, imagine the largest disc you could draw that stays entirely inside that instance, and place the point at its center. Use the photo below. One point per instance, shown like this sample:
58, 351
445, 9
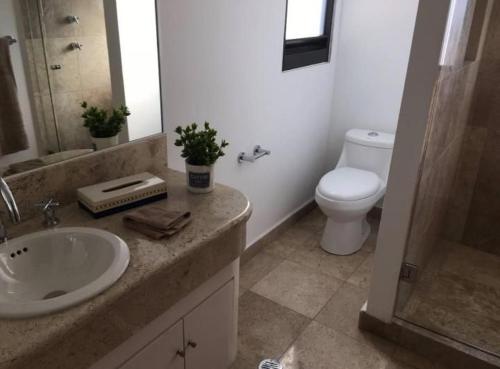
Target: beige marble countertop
177, 265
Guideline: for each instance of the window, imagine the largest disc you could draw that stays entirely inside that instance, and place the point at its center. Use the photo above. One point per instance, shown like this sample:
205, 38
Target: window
307, 33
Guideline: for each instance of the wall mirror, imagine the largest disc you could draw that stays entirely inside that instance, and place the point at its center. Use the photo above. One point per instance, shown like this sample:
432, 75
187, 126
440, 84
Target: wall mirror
56, 54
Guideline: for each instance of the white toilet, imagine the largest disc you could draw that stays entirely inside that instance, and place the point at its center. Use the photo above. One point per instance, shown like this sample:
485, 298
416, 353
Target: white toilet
349, 192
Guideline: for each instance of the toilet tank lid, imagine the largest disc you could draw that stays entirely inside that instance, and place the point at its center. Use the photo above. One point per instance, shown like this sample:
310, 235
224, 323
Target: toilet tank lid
371, 138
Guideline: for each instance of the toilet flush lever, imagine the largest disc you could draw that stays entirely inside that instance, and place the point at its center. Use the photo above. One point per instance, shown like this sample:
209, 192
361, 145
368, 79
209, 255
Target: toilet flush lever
258, 152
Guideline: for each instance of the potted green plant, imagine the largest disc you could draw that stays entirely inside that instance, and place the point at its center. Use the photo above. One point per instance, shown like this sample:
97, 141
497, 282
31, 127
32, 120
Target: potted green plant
201, 151
104, 129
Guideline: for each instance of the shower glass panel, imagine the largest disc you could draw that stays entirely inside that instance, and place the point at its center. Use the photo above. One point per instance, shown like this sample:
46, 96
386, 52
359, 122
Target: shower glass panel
454, 239
41, 86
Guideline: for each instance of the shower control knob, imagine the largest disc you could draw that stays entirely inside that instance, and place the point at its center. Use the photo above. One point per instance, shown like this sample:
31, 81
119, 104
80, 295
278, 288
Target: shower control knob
76, 45
73, 19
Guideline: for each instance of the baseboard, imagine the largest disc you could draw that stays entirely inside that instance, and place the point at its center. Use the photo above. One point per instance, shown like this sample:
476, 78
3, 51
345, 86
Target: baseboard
440, 349
274, 232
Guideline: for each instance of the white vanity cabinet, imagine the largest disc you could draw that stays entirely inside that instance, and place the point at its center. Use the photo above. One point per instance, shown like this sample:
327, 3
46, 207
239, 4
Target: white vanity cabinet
162, 353
199, 332
208, 331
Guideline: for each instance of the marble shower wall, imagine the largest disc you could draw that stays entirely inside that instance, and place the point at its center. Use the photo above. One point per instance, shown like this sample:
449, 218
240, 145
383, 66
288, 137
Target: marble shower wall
84, 74
474, 213
445, 132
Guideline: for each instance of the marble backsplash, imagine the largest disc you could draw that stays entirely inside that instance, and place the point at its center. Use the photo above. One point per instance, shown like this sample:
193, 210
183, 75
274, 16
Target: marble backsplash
61, 180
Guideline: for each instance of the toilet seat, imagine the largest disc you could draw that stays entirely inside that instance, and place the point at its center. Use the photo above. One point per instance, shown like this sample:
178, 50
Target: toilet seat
349, 184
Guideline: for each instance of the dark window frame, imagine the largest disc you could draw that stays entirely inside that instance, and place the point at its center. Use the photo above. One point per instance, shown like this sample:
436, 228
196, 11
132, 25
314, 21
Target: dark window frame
312, 50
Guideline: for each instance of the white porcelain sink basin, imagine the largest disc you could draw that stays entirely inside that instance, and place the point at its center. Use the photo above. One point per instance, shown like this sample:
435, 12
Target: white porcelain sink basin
52, 270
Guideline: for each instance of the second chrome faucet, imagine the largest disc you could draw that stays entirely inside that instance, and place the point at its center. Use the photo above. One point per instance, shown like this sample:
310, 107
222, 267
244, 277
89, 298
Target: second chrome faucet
49, 212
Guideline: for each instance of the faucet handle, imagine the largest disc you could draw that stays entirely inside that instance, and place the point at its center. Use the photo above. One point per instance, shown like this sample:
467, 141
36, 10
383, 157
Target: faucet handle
48, 209
76, 46
47, 205
73, 19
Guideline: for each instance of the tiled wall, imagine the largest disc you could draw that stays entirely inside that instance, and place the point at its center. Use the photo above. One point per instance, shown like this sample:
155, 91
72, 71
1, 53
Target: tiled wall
446, 130
84, 75
474, 213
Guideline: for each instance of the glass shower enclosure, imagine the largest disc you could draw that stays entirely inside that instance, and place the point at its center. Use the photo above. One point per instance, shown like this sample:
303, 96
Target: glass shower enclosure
454, 241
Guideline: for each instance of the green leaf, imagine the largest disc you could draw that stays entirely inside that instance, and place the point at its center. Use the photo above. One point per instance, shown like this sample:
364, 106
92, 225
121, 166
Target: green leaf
101, 125
199, 147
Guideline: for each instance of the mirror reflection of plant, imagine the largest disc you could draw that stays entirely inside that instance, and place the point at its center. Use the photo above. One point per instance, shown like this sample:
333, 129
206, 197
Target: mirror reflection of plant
98, 122
199, 147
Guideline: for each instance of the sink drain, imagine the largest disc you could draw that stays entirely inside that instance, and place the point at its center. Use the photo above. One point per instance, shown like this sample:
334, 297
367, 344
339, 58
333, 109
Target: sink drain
270, 364
54, 294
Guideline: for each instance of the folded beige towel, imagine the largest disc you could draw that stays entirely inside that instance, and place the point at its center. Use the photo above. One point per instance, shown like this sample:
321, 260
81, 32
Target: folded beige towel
12, 133
157, 222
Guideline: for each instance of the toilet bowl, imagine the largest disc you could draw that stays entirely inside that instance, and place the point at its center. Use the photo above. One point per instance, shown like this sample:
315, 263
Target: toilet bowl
347, 193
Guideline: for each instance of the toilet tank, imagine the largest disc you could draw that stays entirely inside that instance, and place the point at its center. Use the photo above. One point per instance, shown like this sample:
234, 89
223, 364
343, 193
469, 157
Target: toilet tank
369, 150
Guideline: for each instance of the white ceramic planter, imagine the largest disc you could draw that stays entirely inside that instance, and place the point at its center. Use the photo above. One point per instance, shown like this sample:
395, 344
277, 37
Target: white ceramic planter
104, 143
200, 178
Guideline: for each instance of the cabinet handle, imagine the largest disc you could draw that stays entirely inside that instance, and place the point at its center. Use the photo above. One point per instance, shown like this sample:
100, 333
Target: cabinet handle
181, 353
192, 344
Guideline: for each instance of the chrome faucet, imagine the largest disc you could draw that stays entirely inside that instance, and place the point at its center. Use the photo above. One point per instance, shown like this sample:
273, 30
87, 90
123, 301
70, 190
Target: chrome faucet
49, 212
11, 205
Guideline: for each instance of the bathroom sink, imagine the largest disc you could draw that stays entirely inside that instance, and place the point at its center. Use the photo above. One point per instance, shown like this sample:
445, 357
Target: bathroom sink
48, 271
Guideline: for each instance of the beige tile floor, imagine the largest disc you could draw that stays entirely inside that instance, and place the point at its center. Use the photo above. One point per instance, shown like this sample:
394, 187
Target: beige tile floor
300, 304
458, 296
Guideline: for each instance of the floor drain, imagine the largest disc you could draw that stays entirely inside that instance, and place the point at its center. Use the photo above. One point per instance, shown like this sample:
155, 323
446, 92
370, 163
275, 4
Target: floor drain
54, 294
270, 364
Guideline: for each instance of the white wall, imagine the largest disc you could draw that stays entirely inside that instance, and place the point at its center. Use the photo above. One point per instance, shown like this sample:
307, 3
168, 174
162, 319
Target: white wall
373, 48
139, 63
221, 62
8, 26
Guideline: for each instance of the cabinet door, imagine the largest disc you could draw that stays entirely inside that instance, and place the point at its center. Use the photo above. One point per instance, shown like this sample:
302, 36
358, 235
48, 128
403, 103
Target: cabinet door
165, 352
210, 331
